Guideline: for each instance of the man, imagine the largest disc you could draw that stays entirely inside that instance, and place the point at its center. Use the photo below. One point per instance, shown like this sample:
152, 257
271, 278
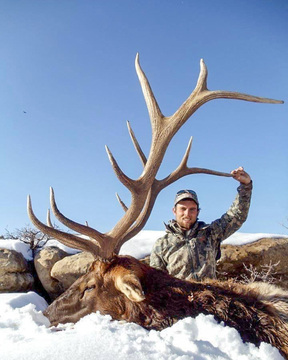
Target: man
190, 248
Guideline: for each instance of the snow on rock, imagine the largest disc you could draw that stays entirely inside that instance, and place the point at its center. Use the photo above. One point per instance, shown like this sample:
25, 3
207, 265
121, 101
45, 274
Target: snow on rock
18, 246
239, 238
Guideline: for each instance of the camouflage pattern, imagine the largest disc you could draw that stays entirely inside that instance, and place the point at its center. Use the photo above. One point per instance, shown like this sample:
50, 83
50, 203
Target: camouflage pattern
192, 254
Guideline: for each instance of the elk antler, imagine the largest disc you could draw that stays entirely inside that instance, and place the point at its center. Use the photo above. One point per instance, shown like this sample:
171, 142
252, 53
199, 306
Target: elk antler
146, 188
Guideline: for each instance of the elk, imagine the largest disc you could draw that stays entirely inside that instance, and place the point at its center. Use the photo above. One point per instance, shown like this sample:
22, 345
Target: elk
130, 290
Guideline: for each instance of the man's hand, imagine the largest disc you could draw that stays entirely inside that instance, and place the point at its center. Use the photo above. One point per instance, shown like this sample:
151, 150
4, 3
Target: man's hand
241, 175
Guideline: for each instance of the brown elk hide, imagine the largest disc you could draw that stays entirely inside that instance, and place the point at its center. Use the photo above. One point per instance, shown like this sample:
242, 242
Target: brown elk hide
132, 291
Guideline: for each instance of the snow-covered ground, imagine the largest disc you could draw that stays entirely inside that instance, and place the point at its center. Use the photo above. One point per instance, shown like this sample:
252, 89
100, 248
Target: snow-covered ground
25, 332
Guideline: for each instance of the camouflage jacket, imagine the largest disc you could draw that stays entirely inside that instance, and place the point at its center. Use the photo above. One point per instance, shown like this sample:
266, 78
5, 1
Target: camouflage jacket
192, 254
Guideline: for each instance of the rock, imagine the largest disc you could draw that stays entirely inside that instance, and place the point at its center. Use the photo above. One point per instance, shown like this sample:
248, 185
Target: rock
11, 261
16, 282
256, 259
44, 261
71, 268
14, 272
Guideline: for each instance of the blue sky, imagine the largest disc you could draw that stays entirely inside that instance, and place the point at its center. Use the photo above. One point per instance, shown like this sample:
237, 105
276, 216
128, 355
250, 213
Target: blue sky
68, 85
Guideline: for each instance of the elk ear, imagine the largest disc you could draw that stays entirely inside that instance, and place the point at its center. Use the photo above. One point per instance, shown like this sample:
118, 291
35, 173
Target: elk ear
130, 286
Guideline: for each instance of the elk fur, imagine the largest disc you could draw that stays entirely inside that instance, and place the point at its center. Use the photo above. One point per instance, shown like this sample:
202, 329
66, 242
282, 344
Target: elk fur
132, 291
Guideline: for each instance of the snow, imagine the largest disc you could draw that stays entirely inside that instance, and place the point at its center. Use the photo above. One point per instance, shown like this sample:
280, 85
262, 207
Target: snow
25, 332
18, 246
23, 248
239, 238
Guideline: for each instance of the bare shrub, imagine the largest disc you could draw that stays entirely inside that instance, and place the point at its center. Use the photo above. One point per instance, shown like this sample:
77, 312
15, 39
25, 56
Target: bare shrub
30, 236
265, 274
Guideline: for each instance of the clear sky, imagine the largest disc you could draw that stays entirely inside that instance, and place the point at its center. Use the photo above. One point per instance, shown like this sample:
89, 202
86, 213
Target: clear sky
68, 85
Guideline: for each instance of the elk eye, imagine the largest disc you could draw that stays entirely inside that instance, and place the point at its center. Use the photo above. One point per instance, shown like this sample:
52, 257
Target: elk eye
86, 291
90, 288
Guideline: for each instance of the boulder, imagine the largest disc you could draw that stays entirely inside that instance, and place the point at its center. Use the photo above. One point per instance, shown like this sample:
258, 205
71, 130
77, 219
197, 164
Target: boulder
70, 268
16, 282
265, 259
14, 272
44, 261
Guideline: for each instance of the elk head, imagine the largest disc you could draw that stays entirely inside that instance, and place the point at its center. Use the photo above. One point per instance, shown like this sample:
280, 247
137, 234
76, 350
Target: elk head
110, 287
111, 276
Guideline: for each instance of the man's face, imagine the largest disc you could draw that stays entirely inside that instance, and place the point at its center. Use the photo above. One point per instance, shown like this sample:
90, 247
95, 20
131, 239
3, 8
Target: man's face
186, 213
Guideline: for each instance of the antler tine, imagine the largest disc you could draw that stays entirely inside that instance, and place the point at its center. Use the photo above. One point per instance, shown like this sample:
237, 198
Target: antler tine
124, 207
151, 103
183, 170
142, 218
49, 223
182, 167
136, 145
202, 78
48, 219
82, 229
70, 240
103, 244
200, 95
125, 180
222, 94
187, 153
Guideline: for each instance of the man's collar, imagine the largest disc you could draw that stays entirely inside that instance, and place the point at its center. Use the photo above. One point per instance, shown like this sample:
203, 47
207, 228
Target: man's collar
173, 226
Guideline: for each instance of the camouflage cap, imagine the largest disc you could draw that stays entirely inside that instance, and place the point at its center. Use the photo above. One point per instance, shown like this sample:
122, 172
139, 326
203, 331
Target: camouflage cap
186, 194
